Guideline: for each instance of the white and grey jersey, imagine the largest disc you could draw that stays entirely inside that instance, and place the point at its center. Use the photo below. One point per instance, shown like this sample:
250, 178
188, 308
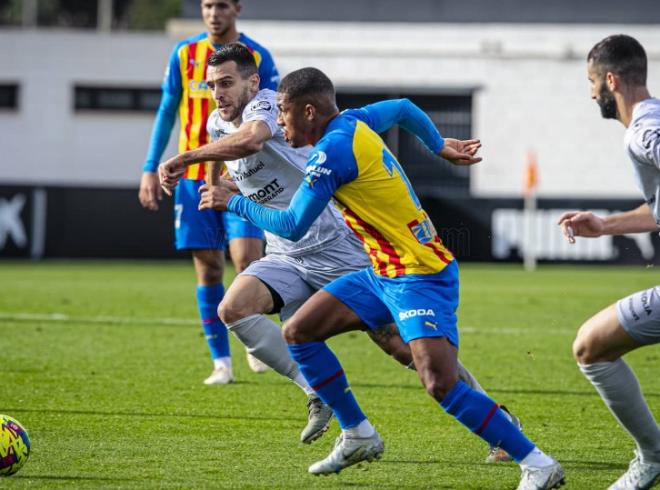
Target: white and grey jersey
271, 177
642, 142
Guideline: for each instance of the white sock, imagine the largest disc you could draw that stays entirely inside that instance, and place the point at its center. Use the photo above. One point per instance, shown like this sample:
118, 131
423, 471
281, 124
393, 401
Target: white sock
536, 459
304, 385
363, 429
222, 362
618, 387
263, 339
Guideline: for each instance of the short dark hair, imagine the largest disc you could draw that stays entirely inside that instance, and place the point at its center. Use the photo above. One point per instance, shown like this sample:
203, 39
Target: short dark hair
307, 83
237, 52
622, 55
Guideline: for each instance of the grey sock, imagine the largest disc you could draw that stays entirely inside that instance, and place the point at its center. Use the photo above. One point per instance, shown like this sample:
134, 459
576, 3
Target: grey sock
618, 387
467, 378
263, 339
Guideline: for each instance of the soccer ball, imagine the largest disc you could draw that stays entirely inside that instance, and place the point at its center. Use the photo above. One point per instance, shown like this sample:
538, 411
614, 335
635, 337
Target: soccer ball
14, 446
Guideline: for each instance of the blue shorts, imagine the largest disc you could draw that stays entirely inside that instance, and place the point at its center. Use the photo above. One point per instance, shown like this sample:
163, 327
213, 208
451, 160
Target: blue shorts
420, 305
207, 229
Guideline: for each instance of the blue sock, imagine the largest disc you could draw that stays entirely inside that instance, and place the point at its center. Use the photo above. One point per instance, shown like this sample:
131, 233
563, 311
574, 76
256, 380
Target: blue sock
482, 416
208, 299
325, 375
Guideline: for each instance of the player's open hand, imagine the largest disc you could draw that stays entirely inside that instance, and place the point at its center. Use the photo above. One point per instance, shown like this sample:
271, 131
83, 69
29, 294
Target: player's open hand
580, 223
461, 152
150, 192
170, 172
217, 196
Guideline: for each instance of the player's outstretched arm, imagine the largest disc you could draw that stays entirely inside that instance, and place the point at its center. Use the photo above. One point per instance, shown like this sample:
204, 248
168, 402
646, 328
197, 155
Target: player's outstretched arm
587, 224
291, 223
381, 116
461, 152
249, 139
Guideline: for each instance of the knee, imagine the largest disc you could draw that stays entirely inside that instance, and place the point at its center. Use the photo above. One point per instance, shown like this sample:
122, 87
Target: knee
229, 311
579, 350
290, 334
584, 349
294, 333
438, 385
211, 274
208, 267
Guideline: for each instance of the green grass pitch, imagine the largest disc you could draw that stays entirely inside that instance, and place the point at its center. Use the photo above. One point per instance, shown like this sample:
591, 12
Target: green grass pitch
103, 363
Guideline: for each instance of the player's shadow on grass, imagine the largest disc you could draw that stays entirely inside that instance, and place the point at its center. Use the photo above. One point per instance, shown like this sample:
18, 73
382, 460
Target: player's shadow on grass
496, 390
101, 413
556, 392
593, 465
353, 484
573, 464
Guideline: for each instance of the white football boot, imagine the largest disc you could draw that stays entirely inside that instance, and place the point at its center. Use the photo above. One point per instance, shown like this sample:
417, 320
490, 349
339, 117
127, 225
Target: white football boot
255, 364
639, 476
220, 376
551, 476
349, 451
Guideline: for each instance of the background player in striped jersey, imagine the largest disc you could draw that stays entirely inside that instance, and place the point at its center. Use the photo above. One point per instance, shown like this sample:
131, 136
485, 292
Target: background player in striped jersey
206, 233
413, 280
617, 69
268, 170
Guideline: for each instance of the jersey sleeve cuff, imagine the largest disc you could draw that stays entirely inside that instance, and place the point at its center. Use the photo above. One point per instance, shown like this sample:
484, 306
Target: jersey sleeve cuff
150, 167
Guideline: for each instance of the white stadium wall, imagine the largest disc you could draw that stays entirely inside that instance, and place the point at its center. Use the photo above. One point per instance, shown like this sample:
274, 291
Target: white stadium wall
531, 93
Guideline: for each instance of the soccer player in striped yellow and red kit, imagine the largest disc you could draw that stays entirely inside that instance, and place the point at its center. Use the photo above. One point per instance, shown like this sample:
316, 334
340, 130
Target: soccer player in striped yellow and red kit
413, 280
205, 233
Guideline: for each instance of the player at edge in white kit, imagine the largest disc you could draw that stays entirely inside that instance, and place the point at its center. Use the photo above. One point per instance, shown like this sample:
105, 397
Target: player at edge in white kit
617, 70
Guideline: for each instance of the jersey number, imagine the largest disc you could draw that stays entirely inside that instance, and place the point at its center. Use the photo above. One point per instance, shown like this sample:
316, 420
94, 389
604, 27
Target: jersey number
390, 163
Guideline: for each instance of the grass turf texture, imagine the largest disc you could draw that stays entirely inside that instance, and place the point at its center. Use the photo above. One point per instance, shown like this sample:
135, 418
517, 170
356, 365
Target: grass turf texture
112, 397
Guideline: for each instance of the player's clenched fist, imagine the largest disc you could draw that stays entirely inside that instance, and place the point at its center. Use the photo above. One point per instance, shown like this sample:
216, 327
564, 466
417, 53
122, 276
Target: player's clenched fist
170, 172
217, 196
150, 192
581, 223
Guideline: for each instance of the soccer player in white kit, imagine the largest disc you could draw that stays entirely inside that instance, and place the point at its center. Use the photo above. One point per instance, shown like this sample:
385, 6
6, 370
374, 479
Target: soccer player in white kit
266, 169
617, 68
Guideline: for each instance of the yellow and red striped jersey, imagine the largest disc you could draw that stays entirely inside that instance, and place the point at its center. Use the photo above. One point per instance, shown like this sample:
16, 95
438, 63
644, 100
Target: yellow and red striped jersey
352, 164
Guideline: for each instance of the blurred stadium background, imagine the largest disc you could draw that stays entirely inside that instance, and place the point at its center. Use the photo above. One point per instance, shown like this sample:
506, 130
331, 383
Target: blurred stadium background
79, 86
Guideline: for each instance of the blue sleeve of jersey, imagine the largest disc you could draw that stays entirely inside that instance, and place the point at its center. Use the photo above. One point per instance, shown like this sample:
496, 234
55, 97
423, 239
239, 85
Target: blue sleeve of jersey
330, 165
160, 135
268, 74
381, 116
172, 80
166, 114
291, 223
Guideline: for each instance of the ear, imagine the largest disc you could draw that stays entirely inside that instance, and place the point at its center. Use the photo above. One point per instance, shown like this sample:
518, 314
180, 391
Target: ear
310, 112
254, 81
238, 7
613, 81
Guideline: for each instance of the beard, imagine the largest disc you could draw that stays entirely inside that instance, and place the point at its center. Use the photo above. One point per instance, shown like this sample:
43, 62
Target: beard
607, 103
242, 102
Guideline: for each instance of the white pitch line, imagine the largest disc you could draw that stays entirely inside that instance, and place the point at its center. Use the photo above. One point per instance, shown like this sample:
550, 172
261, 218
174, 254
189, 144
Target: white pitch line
62, 317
